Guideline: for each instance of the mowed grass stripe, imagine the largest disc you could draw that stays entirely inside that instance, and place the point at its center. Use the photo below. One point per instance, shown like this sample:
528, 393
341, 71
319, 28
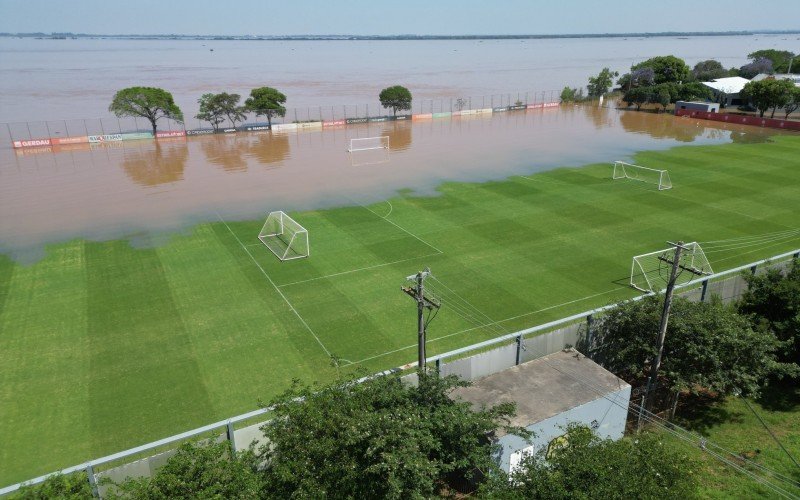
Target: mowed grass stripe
142, 360
45, 366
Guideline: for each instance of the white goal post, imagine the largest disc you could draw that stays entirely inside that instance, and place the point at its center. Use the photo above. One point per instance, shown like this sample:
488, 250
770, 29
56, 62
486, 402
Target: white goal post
650, 271
367, 143
623, 170
284, 237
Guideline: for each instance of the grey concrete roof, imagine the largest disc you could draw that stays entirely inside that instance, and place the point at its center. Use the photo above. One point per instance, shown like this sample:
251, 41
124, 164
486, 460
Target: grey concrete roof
544, 387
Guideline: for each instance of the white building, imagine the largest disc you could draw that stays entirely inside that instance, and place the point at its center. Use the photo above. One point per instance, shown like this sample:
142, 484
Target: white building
550, 393
726, 90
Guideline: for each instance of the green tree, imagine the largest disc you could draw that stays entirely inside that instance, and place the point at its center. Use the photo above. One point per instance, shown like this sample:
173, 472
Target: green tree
601, 84
198, 471
666, 69
214, 108
768, 93
692, 91
637, 96
663, 98
396, 97
266, 101
377, 439
772, 301
590, 467
709, 346
794, 102
571, 94
756, 67
709, 70
779, 58
147, 102
73, 486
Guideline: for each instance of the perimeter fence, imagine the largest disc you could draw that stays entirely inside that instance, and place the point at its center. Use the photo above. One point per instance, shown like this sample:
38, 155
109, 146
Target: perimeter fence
469, 363
109, 128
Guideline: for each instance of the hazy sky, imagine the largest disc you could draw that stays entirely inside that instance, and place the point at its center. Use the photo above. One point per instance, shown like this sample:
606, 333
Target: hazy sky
365, 17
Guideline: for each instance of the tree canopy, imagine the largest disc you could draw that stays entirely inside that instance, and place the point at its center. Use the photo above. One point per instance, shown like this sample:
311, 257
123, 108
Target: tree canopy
768, 93
396, 97
377, 439
779, 59
757, 66
266, 101
772, 301
569, 94
215, 108
147, 102
601, 84
708, 346
709, 70
666, 69
590, 467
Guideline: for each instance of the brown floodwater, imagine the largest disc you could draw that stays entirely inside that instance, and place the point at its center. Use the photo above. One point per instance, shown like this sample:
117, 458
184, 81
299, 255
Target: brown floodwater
143, 189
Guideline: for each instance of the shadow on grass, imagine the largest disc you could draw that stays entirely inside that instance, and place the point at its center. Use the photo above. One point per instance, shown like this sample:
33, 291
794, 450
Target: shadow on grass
702, 412
781, 395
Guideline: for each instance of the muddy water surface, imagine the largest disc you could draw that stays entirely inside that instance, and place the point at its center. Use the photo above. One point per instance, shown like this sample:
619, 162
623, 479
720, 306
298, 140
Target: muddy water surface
143, 189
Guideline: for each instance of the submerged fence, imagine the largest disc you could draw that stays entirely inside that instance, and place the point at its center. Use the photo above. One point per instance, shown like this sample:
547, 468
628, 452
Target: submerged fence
112, 128
471, 362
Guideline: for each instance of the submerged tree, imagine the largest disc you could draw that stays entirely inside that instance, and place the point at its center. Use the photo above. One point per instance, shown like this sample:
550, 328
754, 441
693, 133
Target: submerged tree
396, 97
147, 102
266, 101
600, 85
768, 93
214, 108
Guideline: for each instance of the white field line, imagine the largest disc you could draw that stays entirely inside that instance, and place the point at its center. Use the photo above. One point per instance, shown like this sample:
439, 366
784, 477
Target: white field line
391, 208
720, 209
486, 325
397, 226
357, 270
285, 299
751, 251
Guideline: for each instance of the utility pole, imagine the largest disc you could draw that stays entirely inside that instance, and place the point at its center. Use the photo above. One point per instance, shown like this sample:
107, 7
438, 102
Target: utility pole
662, 329
424, 302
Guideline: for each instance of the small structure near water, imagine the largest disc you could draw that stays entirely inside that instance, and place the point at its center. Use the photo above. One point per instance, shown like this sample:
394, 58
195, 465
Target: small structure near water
707, 107
552, 392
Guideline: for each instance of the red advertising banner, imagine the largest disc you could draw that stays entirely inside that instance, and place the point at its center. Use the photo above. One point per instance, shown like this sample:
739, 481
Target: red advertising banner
334, 123
421, 116
31, 143
170, 133
69, 140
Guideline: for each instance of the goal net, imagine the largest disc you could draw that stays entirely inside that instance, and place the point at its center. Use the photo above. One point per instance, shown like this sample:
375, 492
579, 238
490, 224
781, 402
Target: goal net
633, 172
367, 143
284, 237
650, 272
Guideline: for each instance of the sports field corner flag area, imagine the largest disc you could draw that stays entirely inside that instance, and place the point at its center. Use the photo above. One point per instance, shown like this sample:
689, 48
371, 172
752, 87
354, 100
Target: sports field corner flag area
105, 346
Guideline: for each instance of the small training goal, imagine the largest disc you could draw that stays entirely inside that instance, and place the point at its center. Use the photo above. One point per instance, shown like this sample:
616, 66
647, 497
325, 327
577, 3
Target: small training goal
368, 143
650, 272
648, 175
284, 237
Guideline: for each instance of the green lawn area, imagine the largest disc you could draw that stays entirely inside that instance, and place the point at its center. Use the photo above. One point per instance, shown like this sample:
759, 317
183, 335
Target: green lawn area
731, 424
104, 346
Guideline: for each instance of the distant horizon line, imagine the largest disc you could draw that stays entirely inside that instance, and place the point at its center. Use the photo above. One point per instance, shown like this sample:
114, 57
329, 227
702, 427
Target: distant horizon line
60, 35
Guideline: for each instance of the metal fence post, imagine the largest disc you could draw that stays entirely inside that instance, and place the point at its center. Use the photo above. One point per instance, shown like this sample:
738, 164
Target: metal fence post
30, 136
519, 350
47, 126
231, 437
589, 322
438, 365
753, 269
92, 481
703, 292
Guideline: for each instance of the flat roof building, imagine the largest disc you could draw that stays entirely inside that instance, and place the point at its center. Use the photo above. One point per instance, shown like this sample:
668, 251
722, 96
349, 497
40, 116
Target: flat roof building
726, 90
551, 392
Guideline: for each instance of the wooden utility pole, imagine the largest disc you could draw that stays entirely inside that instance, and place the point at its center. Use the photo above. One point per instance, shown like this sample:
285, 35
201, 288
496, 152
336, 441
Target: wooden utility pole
424, 302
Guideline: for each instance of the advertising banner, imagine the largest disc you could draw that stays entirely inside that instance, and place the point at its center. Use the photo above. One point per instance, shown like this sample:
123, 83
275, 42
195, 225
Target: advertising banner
133, 136
255, 128
334, 123
534, 106
380, 118
444, 114
469, 112
422, 116
351, 121
200, 131
499, 109
170, 133
308, 125
83, 139
105, 138
550, 105
517, 107
402, 117
483, 111
284, 127
31, 143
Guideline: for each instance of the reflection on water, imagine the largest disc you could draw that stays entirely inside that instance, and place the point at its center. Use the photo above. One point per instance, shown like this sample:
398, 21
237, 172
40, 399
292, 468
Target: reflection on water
107, 191
160, 164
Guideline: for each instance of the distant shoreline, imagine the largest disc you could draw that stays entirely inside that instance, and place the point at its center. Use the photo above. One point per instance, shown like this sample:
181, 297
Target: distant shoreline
63, 36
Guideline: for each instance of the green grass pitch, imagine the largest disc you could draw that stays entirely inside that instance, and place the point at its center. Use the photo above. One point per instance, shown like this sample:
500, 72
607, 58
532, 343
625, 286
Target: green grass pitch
104, 346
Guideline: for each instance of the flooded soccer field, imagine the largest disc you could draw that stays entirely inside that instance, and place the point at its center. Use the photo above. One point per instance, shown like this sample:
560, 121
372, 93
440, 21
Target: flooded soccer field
136, 300
142, 189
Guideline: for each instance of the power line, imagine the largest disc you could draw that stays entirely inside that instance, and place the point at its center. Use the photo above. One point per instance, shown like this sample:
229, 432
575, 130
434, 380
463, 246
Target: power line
771, 433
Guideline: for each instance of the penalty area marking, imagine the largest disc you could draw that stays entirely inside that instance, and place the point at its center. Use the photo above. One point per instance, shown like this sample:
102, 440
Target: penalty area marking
487, 325
285, 299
